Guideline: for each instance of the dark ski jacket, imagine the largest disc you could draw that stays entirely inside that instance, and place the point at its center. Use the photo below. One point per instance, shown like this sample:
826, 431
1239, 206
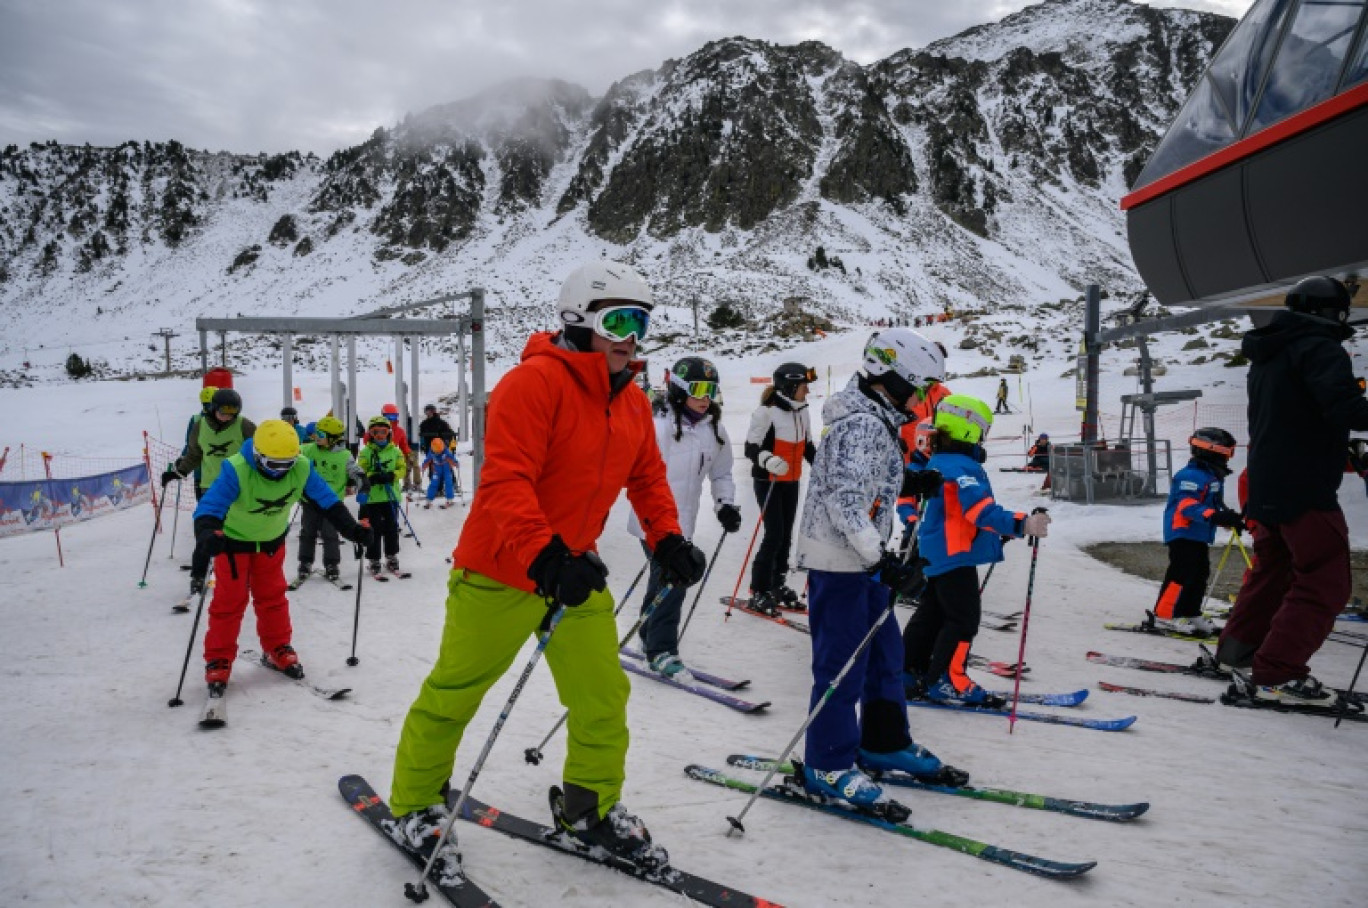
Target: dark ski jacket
1303, 402
435, 427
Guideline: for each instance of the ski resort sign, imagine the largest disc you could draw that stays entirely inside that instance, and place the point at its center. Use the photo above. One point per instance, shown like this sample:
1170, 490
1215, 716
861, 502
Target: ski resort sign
47, 504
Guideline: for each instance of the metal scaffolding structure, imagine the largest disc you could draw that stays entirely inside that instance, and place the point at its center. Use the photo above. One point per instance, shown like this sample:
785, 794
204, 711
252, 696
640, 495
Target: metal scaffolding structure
470, 401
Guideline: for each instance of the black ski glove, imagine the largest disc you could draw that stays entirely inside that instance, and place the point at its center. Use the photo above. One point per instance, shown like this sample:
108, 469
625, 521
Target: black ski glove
1229, 519
681, 562
921, 483
209, 536
906, 579
169, 475
566, 577
729, 515
383, 478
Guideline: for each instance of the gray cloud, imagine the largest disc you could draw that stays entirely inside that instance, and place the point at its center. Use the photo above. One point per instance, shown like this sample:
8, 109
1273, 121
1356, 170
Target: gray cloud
317, 75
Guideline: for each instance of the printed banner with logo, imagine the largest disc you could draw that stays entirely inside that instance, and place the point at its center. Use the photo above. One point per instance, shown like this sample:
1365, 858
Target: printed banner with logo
46, 504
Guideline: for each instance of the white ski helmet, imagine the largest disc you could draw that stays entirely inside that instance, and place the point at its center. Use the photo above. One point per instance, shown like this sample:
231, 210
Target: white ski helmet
600, 280
903, 361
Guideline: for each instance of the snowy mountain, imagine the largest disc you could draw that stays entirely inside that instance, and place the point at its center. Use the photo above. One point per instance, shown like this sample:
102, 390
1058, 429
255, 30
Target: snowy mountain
982, 170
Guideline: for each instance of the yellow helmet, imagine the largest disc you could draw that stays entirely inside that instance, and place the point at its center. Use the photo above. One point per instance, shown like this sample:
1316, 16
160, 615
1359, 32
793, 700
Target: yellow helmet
276, 439
330, 425
964, 418
207, 393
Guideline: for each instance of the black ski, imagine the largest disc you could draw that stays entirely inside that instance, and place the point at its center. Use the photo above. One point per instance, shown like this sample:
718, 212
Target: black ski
327, 693
183, 606
367, 804
703, 891
1149, 692
792, 793
338, 582
215, 713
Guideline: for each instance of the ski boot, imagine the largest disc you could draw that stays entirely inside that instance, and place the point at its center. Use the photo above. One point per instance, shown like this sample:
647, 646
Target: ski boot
196, 587
945, 691
217, 671
849, 788
332, 573
672, 668
284, 660
305, 569
419, 832
915, 761
765, 604
373, 567
1300, 692
1194, 626
787, 598
618, 832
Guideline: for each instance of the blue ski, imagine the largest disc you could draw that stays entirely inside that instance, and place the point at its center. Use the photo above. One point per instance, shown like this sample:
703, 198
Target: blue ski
1049, 718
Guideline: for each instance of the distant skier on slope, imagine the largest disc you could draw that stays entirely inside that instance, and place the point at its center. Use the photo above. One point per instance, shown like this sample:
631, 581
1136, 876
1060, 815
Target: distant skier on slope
694, 445
856, 478
440, 464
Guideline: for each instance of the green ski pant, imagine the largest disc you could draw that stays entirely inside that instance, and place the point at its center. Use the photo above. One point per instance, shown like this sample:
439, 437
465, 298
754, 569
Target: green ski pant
486, 625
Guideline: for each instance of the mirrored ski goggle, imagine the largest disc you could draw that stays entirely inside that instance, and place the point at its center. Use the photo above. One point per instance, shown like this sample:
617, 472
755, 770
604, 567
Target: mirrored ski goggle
807, 375
622, 322
276, 466
709, 389
379, 432
228, 410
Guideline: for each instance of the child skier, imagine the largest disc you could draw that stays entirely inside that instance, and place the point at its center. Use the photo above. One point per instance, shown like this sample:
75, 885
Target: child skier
241, 522
440, 464
694, 445
333, 462
856, 478
1196, 507
383, 464
567, 432
409, 475
777, 443
962, 528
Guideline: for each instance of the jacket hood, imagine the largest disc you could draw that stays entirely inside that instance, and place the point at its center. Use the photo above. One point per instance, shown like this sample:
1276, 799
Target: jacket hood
589, 369
850, 400
1262, 344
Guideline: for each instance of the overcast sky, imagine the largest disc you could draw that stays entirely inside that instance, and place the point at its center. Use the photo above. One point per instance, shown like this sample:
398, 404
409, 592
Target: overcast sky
318, 75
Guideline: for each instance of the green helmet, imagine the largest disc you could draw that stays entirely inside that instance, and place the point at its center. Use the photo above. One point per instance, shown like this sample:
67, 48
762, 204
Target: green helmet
963, 418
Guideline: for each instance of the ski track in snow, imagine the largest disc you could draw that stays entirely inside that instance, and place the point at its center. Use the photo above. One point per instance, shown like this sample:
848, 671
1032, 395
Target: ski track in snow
122, 801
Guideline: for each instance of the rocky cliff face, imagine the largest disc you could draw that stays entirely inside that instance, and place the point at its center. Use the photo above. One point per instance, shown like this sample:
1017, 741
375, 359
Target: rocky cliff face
985, 166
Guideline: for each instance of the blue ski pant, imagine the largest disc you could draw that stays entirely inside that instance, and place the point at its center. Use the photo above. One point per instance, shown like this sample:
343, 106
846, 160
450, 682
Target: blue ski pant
441, 482
660, 633
842, 607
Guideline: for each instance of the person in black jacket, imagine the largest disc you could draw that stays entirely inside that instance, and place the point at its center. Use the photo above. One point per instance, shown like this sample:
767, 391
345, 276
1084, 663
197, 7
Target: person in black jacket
1303, 402
434, 426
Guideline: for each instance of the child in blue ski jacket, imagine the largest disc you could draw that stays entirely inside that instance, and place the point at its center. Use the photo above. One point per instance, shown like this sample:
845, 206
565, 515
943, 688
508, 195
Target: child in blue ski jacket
962, 528
1196, 507
440, 464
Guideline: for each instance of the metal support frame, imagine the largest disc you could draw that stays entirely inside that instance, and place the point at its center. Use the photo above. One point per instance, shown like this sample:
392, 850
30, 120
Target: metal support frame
407, 397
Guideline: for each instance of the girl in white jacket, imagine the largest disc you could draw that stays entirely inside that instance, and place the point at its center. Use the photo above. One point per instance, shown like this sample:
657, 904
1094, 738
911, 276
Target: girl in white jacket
694, 445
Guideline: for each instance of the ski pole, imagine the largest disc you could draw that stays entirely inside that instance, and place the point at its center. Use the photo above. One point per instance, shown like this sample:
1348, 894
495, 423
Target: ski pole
533, 755
194, 631
1220, 565
156, 525
356, 614
417, 891
759, 521
984, 585
1348, 694
175, 521
632, 589
701, 584
1025, 623
400, 511
735, 822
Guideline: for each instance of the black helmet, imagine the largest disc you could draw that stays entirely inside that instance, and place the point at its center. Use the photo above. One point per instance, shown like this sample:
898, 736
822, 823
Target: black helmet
693, 376
789, 376
226, 401
288, 411
1212, 445
1321, 296
429, 408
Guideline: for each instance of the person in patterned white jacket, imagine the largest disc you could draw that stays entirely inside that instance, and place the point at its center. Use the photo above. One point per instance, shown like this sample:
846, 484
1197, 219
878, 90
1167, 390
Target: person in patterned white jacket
694, 445
857, 477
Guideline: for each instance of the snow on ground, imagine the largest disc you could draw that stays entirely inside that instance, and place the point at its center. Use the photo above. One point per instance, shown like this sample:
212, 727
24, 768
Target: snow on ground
122, 801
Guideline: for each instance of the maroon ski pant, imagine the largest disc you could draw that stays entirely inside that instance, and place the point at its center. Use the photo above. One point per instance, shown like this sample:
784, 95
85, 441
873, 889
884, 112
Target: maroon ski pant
1287, 606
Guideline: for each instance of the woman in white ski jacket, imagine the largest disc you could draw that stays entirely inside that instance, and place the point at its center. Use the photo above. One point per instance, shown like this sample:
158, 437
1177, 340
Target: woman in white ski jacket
694, 445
